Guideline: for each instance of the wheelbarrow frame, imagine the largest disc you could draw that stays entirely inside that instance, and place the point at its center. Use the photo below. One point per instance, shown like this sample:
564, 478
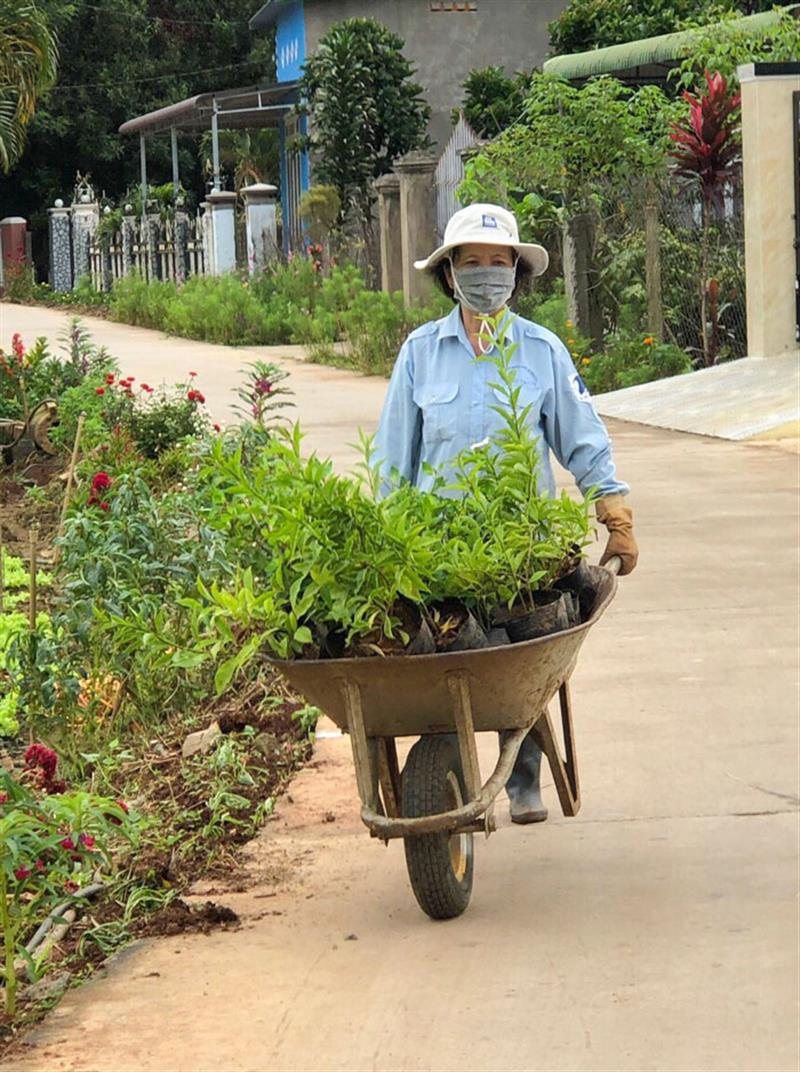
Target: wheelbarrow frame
339, 687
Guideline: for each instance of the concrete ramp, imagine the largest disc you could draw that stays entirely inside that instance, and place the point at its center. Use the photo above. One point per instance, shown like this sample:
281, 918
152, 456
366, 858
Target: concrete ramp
750, 398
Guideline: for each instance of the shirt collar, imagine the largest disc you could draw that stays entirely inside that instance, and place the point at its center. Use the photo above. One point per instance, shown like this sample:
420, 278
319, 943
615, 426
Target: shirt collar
449, 326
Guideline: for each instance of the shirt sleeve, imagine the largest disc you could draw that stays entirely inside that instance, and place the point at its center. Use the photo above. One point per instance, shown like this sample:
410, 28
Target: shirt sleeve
575, 433
397, 441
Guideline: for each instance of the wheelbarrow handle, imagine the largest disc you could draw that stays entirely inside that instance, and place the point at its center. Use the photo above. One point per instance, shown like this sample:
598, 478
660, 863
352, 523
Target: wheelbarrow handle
614, 565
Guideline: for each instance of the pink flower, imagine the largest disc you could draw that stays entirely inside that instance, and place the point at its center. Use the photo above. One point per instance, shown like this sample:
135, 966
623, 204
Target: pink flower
17, 346
87, 841
192, 375
67, 843
21, 873
70, 886
103, 505
38, 756
101, 481
3, 798
39, 865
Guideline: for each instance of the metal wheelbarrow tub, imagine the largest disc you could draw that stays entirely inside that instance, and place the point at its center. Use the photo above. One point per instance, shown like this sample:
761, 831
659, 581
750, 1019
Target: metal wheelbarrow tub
409, 695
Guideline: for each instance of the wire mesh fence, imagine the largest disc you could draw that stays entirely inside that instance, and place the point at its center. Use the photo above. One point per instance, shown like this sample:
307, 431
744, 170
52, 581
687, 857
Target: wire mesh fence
693, 264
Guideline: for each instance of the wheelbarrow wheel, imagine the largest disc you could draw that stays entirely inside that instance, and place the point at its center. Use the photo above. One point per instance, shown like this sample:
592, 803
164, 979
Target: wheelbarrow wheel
439, 866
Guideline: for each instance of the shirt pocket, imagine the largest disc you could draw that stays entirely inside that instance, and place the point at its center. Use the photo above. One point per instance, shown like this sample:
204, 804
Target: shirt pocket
530, 393
439, 405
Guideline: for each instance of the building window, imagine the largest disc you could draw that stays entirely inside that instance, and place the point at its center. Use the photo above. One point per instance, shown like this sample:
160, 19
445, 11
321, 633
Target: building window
454, 5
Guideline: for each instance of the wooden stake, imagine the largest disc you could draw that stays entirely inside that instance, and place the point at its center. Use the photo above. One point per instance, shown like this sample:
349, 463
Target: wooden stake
2, 575
33, 534
68, 490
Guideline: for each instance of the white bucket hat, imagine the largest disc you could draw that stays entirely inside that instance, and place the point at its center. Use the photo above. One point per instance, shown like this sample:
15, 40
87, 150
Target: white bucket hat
488, 225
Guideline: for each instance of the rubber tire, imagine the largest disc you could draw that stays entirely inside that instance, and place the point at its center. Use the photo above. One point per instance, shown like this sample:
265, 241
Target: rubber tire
438, 890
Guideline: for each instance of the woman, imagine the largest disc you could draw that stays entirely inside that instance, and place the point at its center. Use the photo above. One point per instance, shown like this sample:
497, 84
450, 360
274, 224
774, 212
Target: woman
440, 400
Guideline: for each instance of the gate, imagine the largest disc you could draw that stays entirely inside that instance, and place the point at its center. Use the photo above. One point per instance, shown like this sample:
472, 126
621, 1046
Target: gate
450, 172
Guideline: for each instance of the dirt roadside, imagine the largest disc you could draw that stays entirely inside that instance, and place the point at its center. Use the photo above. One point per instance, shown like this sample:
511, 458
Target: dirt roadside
656, 931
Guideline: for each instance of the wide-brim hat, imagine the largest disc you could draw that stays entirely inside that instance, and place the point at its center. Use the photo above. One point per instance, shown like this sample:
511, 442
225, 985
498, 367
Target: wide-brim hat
488, 225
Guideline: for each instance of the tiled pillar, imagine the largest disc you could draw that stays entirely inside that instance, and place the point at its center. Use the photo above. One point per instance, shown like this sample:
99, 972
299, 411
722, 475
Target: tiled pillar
262, 225
60, 249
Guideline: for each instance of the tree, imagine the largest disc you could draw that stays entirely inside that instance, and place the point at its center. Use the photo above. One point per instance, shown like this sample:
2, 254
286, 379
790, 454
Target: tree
364, 112
28, 58
588, 24
492, 100
119, 59
707, 148
557, 164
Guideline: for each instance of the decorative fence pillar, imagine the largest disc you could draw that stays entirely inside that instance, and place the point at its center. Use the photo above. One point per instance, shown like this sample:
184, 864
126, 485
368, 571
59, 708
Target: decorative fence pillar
261, 225
417, 221
180, 225
60, 247
388, 190
128, 235
222, 204
85, 218
151, 236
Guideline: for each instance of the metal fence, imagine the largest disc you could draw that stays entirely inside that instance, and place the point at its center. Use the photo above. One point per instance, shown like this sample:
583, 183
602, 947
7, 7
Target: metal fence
700, 269
450, 172
172, 248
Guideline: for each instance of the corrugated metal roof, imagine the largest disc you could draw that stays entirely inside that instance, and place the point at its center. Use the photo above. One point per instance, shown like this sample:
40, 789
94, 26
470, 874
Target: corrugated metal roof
250, 106
663, 49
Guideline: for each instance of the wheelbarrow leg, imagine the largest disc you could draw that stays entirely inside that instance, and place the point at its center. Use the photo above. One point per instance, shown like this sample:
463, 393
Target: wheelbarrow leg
366, 772
564, 770
462, 710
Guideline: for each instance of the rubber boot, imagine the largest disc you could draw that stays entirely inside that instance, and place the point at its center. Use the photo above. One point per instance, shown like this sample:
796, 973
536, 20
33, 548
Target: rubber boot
523, 790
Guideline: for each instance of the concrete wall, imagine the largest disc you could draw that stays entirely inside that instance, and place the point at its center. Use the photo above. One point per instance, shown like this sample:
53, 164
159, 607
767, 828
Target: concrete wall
445, 46
769, 143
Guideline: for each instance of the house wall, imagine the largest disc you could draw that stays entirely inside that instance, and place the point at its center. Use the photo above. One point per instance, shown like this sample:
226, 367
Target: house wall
444, 45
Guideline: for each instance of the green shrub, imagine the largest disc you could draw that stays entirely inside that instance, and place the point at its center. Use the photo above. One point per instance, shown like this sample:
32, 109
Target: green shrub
135, 301
631, 360
218, 309
376, 324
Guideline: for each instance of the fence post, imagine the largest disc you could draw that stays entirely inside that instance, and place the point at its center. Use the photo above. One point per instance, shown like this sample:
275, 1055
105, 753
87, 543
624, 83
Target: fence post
417, 221
261, 224
652, 263
582, 299
128, 225
60, 251
221, 206
85, 218
388, 190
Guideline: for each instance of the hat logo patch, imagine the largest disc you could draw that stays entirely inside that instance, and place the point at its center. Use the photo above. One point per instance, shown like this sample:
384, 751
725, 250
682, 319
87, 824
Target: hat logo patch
489, 221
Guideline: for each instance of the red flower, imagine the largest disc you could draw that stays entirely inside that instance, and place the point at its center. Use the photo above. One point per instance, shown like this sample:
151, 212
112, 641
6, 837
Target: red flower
38, 756
192, 395
21, 873
192, 375
87, 841
109, 378
100, 481
3, 798
217, 428
99, 390
103, 505
200, 397
70, 886
67, 843
122, 804
39, 865
146, 387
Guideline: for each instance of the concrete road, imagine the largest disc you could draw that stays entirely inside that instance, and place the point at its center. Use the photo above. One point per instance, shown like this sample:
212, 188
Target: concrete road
332, 403
657, 931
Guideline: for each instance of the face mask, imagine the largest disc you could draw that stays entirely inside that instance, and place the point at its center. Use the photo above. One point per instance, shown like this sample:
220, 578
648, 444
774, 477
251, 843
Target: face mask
484, 291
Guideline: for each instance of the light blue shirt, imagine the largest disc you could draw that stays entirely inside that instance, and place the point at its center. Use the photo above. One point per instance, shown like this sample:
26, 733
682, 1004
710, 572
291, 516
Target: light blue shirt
440, 401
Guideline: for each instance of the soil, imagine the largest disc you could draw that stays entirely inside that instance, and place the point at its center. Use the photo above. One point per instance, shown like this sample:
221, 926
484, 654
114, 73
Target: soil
18, 512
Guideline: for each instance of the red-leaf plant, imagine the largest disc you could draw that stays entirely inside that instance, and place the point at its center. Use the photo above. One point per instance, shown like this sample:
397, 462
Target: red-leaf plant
707, 148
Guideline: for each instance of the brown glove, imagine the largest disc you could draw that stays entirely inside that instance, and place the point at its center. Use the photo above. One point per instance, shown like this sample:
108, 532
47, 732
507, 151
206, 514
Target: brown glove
618, 519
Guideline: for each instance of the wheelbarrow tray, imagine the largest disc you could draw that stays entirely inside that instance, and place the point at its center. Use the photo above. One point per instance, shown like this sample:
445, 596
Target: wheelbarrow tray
410, 695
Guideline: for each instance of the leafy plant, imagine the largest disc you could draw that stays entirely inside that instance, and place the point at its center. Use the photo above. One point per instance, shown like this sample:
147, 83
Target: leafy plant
707, 147
28, 63
52, 844
492, 100
630, 360
262, 394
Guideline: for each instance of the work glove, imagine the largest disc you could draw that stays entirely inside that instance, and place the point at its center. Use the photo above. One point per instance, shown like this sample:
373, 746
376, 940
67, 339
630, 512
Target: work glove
618, 519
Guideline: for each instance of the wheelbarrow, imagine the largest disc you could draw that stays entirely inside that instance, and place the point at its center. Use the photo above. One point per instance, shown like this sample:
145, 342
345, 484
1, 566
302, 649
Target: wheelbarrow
438, 803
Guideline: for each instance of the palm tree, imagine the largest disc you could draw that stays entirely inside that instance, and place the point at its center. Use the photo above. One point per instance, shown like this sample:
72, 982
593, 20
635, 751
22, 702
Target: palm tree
28, 60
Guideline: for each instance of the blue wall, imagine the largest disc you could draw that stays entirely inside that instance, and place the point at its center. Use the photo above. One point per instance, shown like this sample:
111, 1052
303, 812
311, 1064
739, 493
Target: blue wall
290, 41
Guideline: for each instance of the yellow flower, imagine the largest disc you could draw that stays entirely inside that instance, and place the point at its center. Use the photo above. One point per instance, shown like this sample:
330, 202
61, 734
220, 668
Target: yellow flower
648, 340
570, 342
568, 323
586, 361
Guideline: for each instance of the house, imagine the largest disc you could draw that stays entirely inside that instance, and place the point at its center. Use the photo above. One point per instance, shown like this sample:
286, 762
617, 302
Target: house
444, 40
